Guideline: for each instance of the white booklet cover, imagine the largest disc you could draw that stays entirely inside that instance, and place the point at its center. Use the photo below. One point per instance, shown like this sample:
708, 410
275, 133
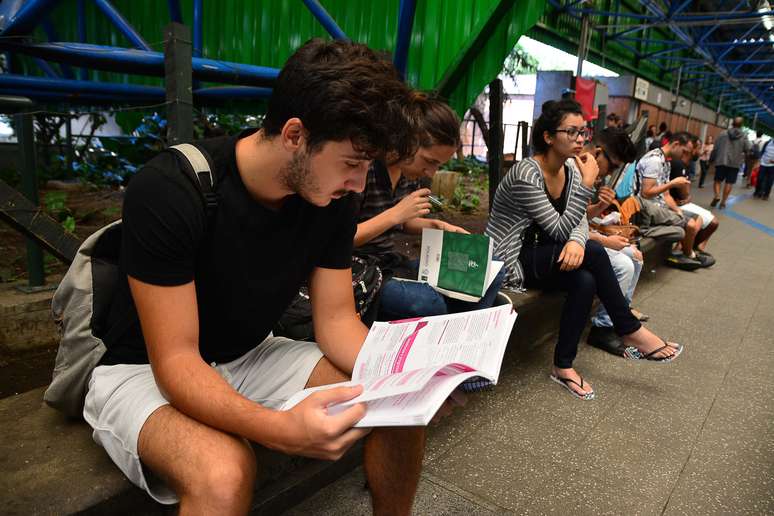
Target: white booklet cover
409, 368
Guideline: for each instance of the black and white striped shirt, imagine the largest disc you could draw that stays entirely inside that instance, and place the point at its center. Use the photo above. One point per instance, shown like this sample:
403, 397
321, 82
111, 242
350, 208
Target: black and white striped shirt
520, 199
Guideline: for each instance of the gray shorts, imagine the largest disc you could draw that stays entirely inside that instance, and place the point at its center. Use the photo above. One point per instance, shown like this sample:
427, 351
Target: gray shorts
122, 397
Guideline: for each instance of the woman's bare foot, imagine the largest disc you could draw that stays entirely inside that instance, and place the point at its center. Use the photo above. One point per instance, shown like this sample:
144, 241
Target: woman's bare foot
647, 342
576, 380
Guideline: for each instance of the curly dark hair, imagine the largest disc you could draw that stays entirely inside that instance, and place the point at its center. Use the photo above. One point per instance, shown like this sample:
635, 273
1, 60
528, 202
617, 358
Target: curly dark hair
343, 91
617, 143
436, 122
551, 116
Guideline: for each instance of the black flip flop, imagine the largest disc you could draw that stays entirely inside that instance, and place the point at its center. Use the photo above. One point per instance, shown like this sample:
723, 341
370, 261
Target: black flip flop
564, 382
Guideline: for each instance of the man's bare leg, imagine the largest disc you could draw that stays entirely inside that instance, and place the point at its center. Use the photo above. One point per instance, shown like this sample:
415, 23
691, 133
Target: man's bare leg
726, 192
212, 472
703, 235
691, 228
716, 189
392, 456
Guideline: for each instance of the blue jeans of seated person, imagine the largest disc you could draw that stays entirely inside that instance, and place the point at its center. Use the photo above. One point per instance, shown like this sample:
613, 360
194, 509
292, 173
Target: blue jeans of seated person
407, 299
627, 271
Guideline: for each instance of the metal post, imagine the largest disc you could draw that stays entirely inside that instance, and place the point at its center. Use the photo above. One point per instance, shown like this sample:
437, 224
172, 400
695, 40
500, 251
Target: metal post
178, 82
26, 139
601, 118
473, 140
495, 137
677, 91
70, 150
524, 130
583, 44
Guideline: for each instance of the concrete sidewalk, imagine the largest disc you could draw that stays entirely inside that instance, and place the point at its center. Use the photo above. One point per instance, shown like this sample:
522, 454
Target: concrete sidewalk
693, 437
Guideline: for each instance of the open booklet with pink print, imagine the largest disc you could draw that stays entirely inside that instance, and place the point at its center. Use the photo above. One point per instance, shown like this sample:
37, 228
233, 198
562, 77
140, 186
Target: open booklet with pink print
409, 368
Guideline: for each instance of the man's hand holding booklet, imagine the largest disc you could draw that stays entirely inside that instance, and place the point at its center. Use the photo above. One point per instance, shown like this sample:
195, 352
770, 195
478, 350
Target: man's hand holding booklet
409, 368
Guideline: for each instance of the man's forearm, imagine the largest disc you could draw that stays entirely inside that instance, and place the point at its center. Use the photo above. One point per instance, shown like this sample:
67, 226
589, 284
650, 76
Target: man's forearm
341, 340
595, 210
373, 227
416, 225
198, 391
655, 190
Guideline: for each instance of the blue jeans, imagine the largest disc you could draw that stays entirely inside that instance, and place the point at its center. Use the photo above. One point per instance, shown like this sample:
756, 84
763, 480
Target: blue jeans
627, 272
765, 180
407, 299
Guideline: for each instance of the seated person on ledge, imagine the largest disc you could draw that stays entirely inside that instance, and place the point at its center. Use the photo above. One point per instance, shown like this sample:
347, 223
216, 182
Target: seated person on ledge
682, 196
654, 172
612, 149
394, 201
176, 401
539, 226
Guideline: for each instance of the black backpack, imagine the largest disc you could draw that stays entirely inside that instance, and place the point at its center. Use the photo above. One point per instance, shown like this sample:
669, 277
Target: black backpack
296, 323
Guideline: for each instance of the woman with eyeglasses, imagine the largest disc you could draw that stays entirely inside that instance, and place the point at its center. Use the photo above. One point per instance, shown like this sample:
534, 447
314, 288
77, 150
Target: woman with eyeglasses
538, 225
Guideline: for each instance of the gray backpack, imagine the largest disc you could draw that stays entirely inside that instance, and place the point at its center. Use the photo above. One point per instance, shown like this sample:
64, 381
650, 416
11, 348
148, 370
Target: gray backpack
82, 301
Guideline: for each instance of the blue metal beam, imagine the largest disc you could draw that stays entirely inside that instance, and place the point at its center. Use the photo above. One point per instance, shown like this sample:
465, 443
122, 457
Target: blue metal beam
121, 24
728, 50
46, 69
405, 27
319, 12
232, 92
73, 86
52, 35
141, 62
198, 27
83, 72
27, 17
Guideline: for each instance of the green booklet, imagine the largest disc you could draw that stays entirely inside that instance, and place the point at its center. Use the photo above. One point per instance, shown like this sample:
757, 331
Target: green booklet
456, 264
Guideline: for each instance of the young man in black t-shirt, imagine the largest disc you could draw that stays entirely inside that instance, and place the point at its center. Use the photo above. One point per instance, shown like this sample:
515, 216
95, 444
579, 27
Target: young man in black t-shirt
182, 393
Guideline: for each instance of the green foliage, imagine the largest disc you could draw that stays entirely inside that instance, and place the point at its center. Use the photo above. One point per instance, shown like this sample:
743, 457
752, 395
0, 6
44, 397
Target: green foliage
55, 203
467, 198
519, 62
468, 165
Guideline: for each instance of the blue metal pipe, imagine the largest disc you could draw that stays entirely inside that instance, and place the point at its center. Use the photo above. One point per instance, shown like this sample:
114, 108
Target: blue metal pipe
142, 63
52, 35
175, 14
405, 27
198, 26
83, 72
46, 68
121, 24
319, 12
722, 17
27, 17
73, 86
78, 98
232, 92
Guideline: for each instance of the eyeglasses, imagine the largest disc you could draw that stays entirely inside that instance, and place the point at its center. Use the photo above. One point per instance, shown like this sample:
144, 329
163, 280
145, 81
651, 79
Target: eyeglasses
573, 132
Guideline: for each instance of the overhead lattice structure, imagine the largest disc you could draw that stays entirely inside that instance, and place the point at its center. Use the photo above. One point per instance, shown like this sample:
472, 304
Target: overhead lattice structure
102, 51
717, 52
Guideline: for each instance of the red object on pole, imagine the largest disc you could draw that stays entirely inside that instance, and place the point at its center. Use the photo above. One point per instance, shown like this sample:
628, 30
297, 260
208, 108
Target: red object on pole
585, 90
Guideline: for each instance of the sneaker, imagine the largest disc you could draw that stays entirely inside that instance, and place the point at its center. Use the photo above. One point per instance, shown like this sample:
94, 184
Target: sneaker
706, 259
714, 202
682, 262
606, 339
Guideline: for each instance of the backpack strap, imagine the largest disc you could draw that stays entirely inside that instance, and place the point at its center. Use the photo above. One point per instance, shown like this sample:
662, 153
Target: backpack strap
196, 165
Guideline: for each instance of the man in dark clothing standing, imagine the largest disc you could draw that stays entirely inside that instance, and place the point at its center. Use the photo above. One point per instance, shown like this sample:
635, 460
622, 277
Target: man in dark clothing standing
731, 147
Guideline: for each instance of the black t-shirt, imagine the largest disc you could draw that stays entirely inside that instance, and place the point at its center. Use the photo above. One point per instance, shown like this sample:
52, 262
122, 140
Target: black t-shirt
678, 170
248, 261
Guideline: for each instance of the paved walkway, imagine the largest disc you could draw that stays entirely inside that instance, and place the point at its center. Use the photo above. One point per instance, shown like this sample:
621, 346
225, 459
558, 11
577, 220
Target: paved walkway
693, 437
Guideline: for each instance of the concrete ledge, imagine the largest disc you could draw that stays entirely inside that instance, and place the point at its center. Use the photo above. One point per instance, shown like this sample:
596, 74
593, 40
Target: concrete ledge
25, 319
52, 466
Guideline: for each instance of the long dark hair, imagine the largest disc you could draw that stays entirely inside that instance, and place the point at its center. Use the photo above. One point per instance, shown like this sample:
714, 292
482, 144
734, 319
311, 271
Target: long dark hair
551, 116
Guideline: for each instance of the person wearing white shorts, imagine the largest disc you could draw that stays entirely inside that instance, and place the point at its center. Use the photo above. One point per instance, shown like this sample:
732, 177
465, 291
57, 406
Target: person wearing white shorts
210, 261
121, 397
